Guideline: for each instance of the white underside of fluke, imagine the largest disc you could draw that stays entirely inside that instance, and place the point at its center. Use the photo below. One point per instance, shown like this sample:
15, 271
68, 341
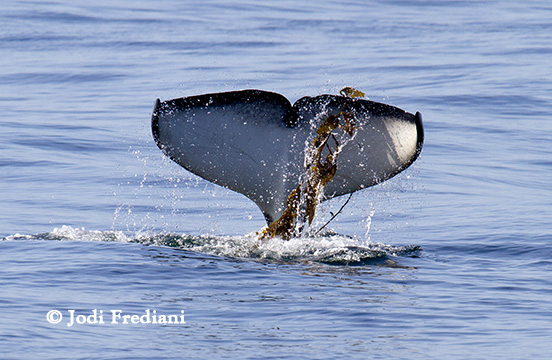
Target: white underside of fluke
254, 142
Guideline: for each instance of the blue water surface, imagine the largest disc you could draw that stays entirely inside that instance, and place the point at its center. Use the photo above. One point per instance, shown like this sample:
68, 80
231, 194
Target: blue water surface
449, 260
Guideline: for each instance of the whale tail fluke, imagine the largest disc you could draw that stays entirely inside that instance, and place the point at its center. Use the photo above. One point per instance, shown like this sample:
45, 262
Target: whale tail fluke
256, 143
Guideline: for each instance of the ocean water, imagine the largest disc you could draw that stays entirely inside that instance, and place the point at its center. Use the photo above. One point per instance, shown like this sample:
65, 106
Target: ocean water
449, 260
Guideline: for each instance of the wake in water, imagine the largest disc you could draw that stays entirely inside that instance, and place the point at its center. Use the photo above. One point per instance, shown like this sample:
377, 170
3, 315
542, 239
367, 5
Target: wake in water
329, 248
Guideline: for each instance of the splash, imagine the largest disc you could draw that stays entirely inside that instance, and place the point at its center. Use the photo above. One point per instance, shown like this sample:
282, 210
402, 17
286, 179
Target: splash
326, 248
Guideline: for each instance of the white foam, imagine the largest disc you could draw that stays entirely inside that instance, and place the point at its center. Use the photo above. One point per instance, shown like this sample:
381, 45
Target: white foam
329, 247
69, 233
